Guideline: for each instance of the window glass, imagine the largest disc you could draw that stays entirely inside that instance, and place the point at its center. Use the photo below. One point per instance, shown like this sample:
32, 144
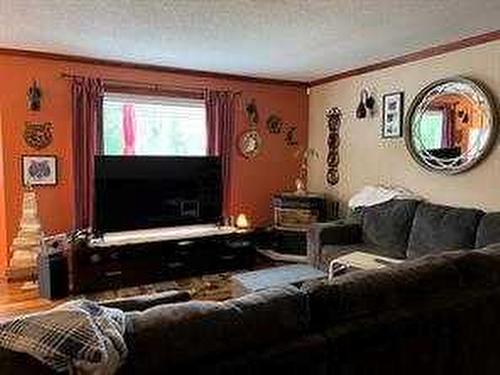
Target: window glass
139, 125
431, 130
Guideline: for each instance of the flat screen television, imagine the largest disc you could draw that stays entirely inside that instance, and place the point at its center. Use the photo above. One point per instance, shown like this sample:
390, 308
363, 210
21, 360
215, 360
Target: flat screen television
143, 192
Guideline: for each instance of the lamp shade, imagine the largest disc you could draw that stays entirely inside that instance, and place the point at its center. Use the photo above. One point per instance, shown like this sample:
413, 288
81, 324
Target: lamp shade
242, 222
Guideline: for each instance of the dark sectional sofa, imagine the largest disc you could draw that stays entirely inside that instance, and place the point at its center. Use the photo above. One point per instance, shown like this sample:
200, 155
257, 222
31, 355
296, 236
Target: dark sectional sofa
437, 314
403, 229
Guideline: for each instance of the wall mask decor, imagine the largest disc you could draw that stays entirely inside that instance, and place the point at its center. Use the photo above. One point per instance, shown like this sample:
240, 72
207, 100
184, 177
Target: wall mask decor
34, 96
38, 135
274, 124
451, 125
291, 136
334, 120
252, 113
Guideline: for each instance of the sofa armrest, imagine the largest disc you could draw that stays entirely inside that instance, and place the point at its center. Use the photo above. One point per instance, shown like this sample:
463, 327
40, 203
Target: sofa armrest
15, 363
339, 232
141, 303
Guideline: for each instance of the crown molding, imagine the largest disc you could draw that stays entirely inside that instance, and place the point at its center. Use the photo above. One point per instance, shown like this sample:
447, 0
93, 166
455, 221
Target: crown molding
412, 57
148, 67
400, 60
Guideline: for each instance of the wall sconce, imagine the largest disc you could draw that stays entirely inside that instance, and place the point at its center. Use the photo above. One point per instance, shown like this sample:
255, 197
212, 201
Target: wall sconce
34, 95
252, 113
366, 105
242, 222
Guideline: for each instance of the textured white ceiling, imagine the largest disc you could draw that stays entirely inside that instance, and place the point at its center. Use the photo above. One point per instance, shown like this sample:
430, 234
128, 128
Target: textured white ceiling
289, 39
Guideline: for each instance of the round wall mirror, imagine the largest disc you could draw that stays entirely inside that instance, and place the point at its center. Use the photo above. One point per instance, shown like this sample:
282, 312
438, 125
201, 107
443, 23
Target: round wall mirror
451, 125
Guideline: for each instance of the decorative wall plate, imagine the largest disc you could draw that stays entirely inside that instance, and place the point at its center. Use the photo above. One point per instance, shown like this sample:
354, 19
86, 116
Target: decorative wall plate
250, 144
34, 96
252, 113
38, 135
274, 124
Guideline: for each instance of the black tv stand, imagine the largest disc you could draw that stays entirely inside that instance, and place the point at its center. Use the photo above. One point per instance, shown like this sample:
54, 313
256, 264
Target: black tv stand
144, 257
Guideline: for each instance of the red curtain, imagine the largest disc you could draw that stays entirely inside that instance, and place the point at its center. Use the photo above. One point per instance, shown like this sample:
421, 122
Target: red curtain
448, 135
87, 96
129, 129
221, 113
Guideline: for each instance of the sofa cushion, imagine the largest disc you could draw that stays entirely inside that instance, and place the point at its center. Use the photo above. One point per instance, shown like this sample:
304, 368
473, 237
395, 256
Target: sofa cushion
458, 336
143, 302
480, 268
15, 363
364, 294
426, 281
307, 354
174, 335
488, 231
334, 233
387, 226
441, 228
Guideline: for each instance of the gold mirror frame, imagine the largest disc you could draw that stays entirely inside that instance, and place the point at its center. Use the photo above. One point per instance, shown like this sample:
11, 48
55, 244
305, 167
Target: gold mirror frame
415, 110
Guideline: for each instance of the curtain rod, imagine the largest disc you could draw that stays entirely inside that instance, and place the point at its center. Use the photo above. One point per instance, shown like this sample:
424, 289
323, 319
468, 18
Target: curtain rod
141, 84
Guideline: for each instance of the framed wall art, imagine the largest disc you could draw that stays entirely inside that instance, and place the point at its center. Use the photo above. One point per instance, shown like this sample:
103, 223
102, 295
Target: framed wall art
39, 170
392, 115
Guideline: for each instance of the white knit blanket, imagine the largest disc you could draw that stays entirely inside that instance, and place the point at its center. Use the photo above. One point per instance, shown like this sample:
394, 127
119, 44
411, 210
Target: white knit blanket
80, 336
372, 195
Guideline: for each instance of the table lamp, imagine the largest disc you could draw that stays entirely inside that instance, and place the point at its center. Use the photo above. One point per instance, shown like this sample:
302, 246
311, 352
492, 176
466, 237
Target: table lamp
242, 222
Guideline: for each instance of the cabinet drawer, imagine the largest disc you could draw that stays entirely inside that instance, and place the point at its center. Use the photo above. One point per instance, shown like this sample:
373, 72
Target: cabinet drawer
231, 259
98, 278
137, 264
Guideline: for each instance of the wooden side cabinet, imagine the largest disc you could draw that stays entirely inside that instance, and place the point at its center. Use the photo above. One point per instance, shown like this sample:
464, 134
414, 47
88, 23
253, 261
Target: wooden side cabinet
293, 214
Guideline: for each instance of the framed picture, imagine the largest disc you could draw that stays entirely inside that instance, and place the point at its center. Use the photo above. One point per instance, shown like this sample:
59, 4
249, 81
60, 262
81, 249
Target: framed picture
392, 115
39, 170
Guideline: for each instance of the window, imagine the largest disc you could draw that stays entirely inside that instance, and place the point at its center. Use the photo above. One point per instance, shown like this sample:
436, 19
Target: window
141, 125
431, 130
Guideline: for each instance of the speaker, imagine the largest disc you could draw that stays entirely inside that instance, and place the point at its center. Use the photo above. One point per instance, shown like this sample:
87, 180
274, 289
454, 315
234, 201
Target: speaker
53, 274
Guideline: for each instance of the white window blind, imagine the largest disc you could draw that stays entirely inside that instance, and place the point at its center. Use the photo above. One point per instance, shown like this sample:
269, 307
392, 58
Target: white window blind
141, 125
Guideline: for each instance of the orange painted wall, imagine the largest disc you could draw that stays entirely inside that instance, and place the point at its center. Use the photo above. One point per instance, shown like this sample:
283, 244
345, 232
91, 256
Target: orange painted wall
255, 181
3, 218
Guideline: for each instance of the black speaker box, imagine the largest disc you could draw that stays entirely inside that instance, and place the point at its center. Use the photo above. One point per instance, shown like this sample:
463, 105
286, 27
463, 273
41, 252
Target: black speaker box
53, 275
